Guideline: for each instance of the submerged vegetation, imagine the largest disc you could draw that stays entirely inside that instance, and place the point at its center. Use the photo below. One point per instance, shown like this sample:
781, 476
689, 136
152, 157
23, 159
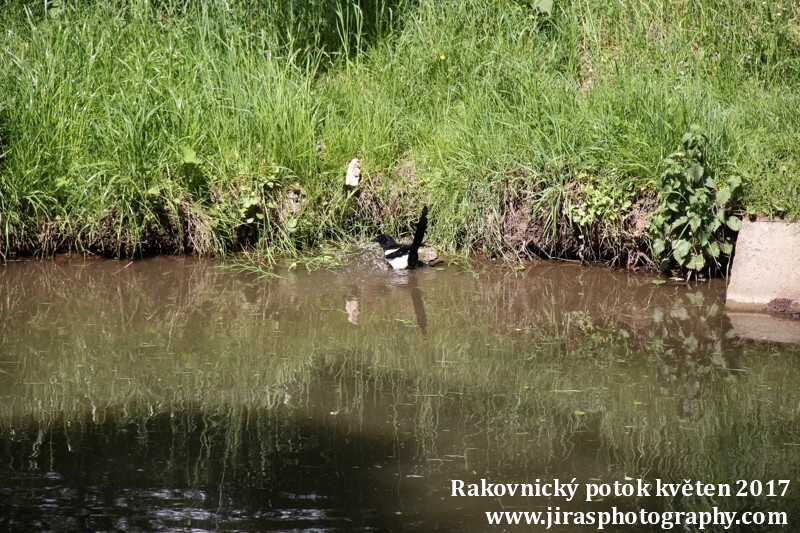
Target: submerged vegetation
158, 126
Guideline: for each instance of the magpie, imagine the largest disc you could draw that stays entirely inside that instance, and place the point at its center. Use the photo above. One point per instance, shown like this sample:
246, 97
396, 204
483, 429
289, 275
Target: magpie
404, 256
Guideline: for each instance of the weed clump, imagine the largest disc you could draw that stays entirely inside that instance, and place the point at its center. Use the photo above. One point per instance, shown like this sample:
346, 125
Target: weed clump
692, 227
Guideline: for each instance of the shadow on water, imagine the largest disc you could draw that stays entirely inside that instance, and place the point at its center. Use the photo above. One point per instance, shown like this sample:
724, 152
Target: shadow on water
170, 394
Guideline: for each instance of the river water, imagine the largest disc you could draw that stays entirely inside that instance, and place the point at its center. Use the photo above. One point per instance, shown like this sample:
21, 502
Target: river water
173, 394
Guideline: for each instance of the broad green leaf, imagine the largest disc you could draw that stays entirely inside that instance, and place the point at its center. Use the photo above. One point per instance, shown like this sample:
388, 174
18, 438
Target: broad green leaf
696, 172
734, 223
658, 246
54, 9
726, 248
544, 6
694, 222
696, 263
713, 250
189, 156
734, 182
681, 249
723, 196
153, 191
678, 223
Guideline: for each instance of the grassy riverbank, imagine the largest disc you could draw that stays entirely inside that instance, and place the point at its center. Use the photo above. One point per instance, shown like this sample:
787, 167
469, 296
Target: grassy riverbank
142, 126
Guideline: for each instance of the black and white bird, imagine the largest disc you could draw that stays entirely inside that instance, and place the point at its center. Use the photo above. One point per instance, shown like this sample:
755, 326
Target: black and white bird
404, 256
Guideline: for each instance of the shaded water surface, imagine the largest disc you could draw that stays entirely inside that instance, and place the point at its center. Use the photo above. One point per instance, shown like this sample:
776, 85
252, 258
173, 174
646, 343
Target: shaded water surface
171, 394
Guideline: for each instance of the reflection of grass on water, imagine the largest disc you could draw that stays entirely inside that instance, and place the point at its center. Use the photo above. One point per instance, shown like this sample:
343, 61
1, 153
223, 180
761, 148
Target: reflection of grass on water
656, 389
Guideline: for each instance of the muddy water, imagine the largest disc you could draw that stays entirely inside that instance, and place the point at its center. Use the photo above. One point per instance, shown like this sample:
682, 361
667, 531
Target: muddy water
171, 394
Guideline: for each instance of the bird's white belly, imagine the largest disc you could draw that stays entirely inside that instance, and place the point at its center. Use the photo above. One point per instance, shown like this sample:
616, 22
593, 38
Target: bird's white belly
398, 263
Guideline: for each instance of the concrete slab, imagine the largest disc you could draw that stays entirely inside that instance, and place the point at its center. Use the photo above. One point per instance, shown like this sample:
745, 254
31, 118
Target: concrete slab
764, 327
766, 266
763, 297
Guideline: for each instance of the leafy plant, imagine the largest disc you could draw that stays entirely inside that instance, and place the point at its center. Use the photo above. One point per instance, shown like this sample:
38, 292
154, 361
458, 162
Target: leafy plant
689, 226
193, 174
255, 197
605, 200
545, 7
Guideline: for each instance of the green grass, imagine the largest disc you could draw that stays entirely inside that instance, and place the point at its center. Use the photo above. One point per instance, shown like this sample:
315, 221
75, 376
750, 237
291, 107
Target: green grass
142, 126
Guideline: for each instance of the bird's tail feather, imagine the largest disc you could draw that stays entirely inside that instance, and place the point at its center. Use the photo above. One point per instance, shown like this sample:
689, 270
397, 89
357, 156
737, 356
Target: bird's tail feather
419, 234
422, 225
